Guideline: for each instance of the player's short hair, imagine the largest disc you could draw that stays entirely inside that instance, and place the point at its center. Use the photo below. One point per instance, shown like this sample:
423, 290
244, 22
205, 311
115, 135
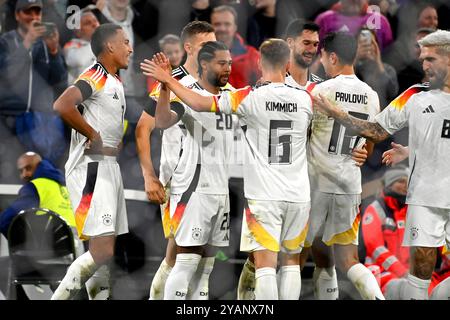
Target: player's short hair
169, 39
101, 35
195, 27
439, 39
274, 53
297, 26
208, 52
342, 44
225, 8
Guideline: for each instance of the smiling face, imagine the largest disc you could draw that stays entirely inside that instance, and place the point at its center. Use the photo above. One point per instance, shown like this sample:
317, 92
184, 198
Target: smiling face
436, 66
121, 49
304, 48
428, 18
217, 71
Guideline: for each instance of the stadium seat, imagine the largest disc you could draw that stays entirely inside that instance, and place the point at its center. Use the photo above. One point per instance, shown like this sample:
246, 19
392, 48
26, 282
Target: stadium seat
41, 248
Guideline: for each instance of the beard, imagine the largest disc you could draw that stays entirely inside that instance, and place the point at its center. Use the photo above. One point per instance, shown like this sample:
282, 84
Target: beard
438, 80
301, 62
216, 80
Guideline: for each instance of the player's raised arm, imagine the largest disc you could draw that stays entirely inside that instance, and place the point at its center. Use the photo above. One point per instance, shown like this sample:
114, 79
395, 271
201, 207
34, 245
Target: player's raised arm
370, 130
192, 99
66, 106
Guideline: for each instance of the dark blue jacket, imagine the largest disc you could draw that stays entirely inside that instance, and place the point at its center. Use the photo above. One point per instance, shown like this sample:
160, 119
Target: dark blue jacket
27, 77
28, 195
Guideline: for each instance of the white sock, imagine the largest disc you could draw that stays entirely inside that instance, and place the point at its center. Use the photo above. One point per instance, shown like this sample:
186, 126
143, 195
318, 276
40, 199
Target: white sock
365, 282
266, 284
415, 288
159, 281
78, 273
290, 283
325, 284
246, 285
441, 291
181, 275
199, 285
98, 286
393, 288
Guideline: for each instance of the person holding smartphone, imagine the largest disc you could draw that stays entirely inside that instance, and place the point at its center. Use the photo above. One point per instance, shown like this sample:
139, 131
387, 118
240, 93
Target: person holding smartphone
31, 66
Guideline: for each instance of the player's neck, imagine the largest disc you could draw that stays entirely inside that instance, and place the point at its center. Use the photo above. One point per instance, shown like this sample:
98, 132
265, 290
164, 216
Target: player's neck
299, 74
344, 70
191, 66
274, 75
208, 86
108, 65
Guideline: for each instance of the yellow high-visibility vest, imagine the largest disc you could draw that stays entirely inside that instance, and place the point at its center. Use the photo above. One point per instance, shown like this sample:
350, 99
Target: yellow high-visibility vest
55, 197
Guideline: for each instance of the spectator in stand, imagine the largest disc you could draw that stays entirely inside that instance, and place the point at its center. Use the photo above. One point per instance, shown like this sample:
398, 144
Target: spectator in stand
44, 187
382, 78
428, 17
370, 68
200, 10
31, 65
172, 48
78, 51
351, 16
383, 226
263, 24
245, 70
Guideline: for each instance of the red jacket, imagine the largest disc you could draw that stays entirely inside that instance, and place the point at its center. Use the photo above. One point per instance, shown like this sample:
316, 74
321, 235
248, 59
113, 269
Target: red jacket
383, 227
245, 70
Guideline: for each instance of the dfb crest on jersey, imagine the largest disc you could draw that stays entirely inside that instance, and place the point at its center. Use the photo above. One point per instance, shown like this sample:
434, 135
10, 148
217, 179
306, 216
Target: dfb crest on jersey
196, 233
414, 233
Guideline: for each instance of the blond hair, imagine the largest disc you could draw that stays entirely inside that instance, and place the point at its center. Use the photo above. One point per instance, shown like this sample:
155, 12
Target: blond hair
439, 39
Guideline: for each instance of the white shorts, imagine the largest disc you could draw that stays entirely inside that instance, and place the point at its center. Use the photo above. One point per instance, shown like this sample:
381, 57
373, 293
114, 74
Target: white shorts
274, 225
334, 217
427, 227
96, 193
197, 219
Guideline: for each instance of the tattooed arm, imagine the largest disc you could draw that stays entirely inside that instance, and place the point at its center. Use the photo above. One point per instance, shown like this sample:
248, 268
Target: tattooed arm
370, 130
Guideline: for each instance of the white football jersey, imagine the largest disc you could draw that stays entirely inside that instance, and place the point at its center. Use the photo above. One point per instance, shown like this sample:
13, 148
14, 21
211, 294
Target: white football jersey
312, 78
103, 109
427, 114
277, 117
207, 147
331, 168
172, 137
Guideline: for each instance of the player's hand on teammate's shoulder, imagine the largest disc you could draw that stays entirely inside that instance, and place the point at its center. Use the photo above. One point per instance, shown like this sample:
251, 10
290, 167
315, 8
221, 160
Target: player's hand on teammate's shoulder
397, 154
322, 104
154, 190
359, 155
